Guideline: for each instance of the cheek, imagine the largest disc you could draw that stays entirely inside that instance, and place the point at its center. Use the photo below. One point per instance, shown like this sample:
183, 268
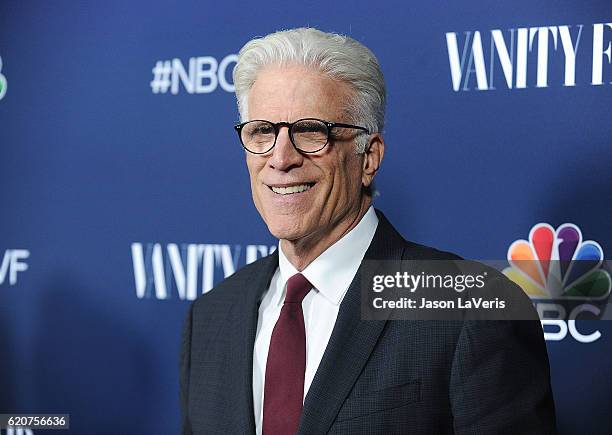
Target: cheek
350, 171
345, 181
254, 168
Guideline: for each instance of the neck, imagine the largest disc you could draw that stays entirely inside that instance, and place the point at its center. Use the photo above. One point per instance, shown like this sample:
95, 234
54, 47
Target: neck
304, 251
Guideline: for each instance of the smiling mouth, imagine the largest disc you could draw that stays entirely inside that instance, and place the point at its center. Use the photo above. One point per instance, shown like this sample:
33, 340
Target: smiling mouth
289, 190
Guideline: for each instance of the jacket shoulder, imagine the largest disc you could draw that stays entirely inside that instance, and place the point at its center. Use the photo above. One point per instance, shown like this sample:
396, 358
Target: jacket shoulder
416, 251
245, 279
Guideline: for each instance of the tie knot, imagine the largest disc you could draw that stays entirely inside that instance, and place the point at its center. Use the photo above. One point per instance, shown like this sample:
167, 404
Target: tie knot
297, 288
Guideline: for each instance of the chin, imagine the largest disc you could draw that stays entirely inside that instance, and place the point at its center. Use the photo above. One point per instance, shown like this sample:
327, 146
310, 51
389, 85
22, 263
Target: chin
283, 231
285, 227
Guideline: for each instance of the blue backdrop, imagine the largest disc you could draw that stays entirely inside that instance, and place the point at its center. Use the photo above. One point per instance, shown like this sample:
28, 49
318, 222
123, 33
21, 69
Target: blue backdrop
125, 193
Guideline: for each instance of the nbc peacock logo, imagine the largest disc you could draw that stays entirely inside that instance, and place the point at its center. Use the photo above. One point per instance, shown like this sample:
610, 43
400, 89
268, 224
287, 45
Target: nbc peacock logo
559, 264
3, 83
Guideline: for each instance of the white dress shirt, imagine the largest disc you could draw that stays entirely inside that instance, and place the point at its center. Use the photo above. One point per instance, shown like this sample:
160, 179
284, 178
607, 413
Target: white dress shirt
330, 273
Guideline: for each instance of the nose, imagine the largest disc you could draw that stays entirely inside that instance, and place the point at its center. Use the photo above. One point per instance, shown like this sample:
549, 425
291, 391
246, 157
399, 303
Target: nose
284, 155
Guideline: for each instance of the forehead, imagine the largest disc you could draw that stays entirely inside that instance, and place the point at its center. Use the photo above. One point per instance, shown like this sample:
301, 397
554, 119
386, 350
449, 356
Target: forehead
288, 93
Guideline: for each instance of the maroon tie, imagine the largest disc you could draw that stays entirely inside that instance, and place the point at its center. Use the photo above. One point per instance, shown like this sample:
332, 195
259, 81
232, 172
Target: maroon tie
284, 387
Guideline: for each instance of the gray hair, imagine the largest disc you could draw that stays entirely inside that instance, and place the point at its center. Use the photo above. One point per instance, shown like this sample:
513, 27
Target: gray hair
338, 56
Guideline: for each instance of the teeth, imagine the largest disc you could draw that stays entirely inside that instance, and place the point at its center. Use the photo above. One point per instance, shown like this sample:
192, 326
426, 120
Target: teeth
291, 189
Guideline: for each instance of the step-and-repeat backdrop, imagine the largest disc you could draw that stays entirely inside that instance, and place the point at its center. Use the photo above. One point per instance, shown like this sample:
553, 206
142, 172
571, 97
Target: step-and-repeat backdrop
124, 190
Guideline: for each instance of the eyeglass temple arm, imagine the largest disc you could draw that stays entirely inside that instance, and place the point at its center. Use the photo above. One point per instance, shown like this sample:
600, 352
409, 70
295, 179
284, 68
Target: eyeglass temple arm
339, 124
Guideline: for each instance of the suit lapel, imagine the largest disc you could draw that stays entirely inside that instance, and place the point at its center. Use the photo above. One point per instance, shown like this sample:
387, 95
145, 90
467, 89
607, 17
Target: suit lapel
350, 344
244, 327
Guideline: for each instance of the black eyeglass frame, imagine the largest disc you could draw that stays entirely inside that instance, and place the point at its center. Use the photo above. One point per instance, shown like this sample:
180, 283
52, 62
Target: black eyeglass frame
277, 125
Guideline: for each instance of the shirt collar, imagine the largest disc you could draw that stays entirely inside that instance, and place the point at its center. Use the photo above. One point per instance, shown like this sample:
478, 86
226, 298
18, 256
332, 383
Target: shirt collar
332, 272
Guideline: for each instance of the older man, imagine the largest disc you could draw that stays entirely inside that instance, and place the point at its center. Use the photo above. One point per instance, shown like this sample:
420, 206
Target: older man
280, 346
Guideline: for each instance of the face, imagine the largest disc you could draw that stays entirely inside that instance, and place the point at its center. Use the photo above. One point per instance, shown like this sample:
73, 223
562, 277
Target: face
304, 196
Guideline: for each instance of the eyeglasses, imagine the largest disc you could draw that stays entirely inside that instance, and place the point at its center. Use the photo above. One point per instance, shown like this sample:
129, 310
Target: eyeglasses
307, 135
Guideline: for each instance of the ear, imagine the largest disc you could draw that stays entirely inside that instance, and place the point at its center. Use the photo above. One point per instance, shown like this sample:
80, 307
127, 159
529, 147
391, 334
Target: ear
372, 158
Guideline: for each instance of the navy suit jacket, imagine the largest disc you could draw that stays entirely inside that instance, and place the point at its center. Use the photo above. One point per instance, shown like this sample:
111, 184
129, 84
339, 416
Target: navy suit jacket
376, 377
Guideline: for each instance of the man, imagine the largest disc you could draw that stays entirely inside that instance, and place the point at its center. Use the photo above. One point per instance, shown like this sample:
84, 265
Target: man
280, 346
